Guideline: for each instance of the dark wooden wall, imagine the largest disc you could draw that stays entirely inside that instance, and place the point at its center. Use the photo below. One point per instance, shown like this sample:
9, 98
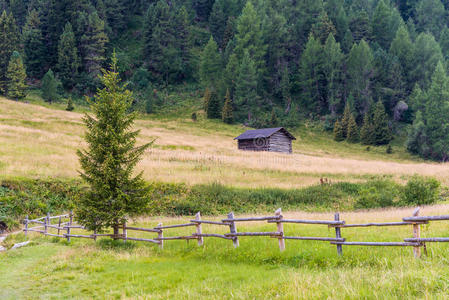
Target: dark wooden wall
278, 142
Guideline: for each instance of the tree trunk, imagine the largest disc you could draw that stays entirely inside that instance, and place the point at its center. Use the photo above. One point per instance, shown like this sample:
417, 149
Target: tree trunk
116, 232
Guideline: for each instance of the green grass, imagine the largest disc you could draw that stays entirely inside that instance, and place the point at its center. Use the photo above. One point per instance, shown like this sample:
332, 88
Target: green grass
256, 270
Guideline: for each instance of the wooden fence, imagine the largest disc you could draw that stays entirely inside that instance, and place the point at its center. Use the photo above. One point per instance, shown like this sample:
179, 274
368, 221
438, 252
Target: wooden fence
63, 226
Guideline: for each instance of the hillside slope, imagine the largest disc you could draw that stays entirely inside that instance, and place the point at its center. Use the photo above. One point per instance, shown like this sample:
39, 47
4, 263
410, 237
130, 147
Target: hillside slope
41, 142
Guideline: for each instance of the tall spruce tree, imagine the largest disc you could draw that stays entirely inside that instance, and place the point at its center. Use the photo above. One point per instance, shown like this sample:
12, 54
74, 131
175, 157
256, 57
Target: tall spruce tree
426, 56
49, 87
381, 130
210, 66
33, 45
403, 48
213, 106
16, 76
417, 137
339, 134
436, 114
352, 131
347, 114
9, 42
246, 89
227, 114
109, 161
249, 37
367, 132
360, 71
333, 73
310, 76
68, 60
93, 45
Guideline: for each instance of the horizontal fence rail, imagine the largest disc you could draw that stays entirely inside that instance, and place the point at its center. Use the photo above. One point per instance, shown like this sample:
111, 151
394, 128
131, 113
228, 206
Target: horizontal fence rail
63, 226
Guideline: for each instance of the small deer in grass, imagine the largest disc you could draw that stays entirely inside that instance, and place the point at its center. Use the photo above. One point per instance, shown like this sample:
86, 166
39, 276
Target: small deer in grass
324, 181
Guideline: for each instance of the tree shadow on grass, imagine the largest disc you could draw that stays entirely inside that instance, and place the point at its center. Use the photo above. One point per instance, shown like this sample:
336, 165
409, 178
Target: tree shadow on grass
117, 245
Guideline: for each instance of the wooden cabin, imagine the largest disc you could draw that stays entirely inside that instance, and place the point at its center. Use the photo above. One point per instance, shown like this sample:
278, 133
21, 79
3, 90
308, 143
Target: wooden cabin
267, 139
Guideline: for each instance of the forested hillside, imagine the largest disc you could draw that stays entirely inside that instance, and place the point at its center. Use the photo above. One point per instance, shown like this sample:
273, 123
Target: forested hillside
363, 67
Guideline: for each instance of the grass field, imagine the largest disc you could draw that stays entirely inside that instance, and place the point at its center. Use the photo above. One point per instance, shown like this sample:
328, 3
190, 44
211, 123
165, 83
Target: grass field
41, 141
51, 269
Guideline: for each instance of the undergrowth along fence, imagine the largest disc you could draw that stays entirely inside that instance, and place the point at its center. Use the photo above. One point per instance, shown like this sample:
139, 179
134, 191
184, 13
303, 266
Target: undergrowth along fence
63, 226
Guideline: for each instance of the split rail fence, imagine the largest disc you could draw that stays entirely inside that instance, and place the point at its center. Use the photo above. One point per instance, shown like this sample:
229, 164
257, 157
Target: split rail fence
63, 226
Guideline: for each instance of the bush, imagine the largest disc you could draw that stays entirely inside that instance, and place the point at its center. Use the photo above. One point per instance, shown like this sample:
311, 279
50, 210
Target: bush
420, 191
378, 193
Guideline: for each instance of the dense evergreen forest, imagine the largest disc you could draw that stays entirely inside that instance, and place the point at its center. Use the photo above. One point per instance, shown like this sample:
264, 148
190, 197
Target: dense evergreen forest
361, 67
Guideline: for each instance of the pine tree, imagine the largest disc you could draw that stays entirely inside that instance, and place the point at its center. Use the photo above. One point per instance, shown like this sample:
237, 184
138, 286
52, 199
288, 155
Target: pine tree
381, 131
115, 11
206, 99
366, 132
9, 42
346, 119
383, 33
352, 132
49, 87
246, 89
68, 61
333, 73
93, 45
430, 14
426, 56
435, 114
403, 48
33, 45
323, 28
16, 76
310, 76
360, 27
360, 70
210, 66
227, 114
249, 37
213, 106
417, 137
231, 73
273, 119
70, 106
338, 131
109, 161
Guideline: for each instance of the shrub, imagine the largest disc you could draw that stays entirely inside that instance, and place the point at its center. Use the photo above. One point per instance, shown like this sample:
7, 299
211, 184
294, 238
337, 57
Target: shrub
378, 193
420, 191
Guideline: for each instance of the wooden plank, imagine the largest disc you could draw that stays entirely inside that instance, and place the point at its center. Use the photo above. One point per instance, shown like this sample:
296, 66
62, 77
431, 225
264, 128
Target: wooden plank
140, 240
35, 230
37, 222
209, 222
55, 227
175, 226
233, 230
277, 234
249, 219
338, 234
311, 238
316, 222
426, 218
56, 235
79, 236
189, 237
424, 240
69, 225
376, 224
399, 244
213, 235
56, 217
280, 229
143, 229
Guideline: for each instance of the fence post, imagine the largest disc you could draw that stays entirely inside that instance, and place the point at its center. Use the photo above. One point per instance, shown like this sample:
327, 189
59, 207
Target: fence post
59, 225
199, 229
26, 225
46, 223
125, 232
160, 235
338, 234
416, 234
280, 229
233, 229
69, 225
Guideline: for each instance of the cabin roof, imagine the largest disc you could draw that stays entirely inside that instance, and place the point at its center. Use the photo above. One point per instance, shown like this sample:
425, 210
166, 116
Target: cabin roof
263, 133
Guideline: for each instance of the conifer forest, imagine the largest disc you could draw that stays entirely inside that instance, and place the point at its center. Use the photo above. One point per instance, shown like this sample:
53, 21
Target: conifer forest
368, 70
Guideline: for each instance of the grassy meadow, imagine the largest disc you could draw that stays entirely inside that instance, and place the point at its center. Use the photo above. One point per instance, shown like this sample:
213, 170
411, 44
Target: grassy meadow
41, 142
53, 269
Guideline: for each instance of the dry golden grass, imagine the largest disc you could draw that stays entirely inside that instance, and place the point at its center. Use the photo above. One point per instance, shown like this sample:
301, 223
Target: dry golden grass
41, 142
